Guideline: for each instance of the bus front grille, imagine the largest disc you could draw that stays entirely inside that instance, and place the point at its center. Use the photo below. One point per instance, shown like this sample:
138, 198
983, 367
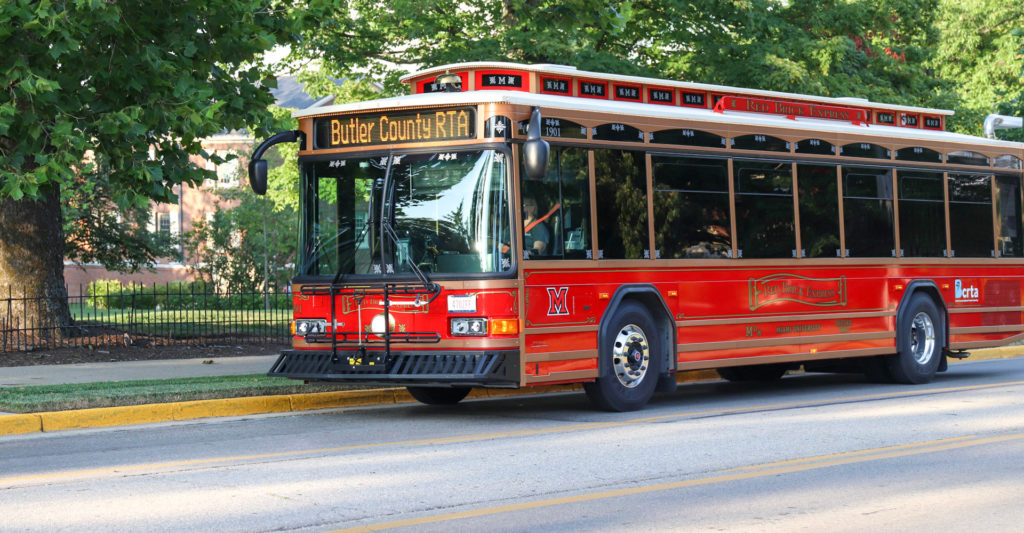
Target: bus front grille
494, 368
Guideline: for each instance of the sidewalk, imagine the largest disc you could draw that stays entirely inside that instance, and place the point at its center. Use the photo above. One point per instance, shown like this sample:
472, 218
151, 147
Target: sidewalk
19, 376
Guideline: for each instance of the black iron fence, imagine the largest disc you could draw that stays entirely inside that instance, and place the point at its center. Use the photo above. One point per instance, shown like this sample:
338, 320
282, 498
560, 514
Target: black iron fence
108, 314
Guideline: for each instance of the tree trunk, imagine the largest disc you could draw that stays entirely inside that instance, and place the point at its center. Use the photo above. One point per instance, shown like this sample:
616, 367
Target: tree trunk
33, 298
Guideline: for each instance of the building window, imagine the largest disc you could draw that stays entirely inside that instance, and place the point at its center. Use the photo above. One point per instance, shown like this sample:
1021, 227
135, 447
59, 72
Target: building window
227, 172
163, 223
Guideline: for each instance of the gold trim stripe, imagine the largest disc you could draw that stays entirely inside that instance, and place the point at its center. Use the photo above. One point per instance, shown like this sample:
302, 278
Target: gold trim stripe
554, 330
958, 310
780, 318
782, 341
987, 329
786, 358
562, 376
560, 356
970, 345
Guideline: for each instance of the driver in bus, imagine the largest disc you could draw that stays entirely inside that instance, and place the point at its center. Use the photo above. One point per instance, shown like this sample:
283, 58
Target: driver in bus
535, 234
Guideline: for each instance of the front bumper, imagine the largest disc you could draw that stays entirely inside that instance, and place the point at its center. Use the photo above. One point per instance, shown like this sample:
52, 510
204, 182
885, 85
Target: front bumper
499, 368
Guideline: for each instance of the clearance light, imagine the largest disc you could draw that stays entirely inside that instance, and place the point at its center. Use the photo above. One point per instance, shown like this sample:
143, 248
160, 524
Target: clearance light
504, 326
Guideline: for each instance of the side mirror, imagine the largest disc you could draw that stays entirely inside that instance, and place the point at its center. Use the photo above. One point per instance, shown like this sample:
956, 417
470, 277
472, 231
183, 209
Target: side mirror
258, 176
535, 150
258, 167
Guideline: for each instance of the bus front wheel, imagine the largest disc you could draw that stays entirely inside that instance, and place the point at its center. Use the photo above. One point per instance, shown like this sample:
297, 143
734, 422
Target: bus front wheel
438, 395
920, 343
631, 361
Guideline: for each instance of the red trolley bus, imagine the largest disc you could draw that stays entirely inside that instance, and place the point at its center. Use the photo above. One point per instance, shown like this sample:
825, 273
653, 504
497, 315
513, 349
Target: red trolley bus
512, 225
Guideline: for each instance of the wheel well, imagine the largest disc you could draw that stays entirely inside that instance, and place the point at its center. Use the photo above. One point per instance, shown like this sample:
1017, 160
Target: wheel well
930, 289
649, 297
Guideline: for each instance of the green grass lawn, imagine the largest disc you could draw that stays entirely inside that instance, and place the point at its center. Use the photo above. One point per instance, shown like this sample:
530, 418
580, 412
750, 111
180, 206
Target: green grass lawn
39, 398
186, 323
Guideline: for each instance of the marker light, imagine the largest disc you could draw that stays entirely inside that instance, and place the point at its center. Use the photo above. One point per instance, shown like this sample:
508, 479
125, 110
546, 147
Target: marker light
504, 326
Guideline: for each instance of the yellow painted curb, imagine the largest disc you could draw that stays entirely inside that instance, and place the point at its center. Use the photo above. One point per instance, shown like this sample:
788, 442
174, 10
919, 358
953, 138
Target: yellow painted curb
231, 407
327, 400
18, 424
107, 416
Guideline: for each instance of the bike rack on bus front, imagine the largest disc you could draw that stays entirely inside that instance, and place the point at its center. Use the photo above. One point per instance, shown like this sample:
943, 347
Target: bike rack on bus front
367, 361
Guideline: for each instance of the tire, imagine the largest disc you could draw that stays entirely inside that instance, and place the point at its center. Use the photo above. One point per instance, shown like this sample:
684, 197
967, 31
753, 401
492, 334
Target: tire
919, 339
631, 359
763, 373
439, 395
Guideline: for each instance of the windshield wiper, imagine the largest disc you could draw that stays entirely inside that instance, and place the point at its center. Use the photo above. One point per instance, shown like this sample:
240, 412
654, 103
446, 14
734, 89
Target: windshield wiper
387, 206
428, 285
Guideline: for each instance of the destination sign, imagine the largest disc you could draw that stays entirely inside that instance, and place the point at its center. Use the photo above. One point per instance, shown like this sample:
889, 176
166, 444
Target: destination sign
394, 128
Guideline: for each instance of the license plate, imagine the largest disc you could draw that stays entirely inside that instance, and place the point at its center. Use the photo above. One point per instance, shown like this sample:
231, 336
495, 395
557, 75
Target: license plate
462, 304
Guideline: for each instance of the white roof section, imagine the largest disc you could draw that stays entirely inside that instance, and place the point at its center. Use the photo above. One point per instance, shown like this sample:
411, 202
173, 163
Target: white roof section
550, 104
564, 70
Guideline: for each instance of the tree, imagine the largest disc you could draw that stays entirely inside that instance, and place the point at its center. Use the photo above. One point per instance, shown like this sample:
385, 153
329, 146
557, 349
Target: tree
982, 52
875, 50
130, 85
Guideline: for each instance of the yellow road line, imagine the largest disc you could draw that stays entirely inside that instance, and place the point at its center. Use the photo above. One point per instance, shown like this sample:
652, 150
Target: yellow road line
876, 454
457, 439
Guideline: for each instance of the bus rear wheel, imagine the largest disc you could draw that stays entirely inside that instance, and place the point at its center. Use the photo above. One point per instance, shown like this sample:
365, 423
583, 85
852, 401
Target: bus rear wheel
632, 356
920, 343
438, 395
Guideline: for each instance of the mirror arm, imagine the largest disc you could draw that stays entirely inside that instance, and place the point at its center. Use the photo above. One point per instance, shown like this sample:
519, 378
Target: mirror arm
258, 167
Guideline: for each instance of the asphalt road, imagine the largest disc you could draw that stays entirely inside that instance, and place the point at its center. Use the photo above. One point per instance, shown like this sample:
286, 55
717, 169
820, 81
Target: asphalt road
810, 453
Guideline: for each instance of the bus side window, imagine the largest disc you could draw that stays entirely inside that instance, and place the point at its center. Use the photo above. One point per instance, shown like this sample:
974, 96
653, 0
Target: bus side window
691, 207
1008, 216
922, 213
556, 209
970, 215
621, 190
868, 211
764, 209
819, 210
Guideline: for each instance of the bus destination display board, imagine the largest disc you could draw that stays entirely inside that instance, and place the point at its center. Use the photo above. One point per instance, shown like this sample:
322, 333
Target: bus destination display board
394, 128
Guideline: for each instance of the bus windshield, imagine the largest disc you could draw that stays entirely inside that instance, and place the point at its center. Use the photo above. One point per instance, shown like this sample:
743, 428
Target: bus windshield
449, 212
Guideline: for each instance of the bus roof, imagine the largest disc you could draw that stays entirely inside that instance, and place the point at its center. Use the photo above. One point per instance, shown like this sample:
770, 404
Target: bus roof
552, 103
419, 81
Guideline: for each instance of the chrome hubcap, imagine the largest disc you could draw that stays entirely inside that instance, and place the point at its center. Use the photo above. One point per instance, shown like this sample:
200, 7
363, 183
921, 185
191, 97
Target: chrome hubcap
631, 356
922, 338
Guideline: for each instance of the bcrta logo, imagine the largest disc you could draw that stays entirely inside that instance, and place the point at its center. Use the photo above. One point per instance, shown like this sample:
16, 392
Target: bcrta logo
965, 293
557, 305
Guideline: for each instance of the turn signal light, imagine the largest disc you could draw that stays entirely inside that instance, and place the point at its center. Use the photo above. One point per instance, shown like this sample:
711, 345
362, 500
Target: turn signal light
504, 326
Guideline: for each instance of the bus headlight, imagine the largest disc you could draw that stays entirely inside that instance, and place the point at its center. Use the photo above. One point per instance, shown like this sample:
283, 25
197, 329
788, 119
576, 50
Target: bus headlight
469, 326
309, 326
377, 324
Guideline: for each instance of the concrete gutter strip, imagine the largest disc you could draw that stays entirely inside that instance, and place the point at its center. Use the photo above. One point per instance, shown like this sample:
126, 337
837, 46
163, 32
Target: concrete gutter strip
167, 412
